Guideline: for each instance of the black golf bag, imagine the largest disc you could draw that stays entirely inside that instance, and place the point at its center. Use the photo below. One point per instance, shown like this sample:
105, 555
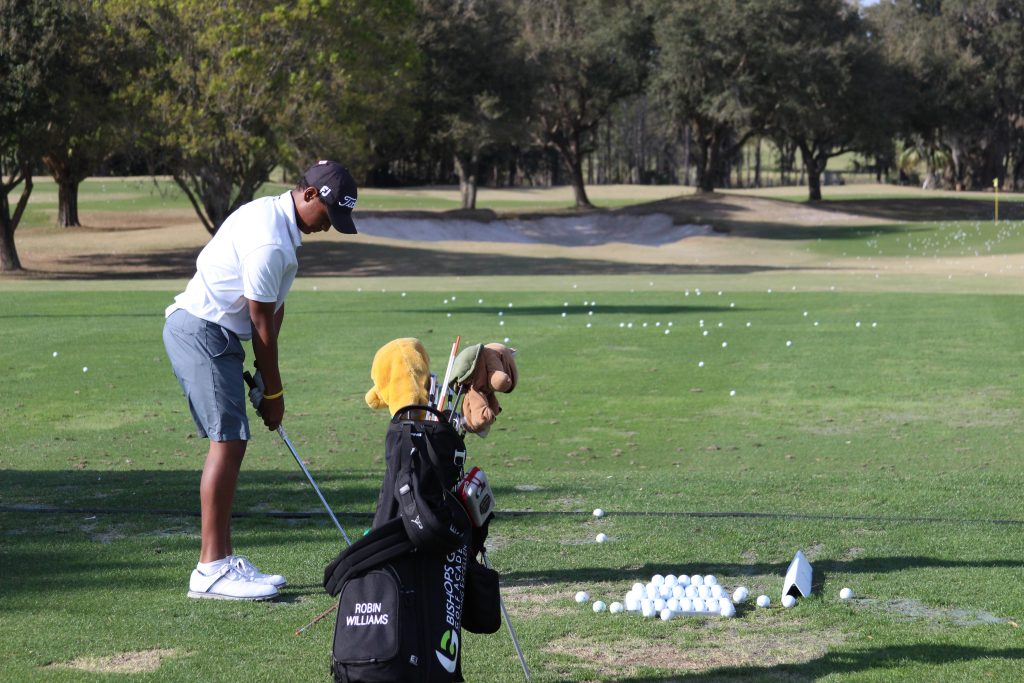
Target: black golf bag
402, 586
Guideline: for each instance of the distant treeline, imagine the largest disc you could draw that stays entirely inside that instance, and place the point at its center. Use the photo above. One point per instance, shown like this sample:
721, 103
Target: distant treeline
505, 93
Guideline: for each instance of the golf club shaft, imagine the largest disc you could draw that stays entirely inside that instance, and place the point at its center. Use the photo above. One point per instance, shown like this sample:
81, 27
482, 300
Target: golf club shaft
295, 454
508, 623
448, 374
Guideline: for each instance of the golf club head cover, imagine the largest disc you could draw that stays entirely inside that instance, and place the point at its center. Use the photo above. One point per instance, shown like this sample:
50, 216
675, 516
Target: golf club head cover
400, 374
381, 545
494, 370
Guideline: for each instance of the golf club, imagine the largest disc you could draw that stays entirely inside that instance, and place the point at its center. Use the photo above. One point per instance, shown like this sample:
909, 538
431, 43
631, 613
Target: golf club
448, 375
288, 442
508, 622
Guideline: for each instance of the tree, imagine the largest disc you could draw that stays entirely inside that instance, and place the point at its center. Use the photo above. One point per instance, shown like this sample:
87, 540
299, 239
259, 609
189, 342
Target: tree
966, 62
31, 32
706, 77
832, 91
241, 84
84, 118
586, 56
475, 91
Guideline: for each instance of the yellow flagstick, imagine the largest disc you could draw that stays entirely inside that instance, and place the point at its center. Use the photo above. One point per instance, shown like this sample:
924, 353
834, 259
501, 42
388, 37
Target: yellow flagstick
995, 184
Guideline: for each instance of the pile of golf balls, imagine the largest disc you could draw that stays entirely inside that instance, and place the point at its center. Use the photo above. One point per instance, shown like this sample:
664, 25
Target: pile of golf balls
672, 596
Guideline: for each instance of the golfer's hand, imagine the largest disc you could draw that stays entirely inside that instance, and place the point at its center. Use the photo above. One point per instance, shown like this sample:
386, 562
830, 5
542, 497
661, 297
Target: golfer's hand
272, 412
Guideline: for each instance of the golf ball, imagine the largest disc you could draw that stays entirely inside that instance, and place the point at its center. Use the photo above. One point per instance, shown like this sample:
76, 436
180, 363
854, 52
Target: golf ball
658, 580
582, 597
637, 588
691, 591
598, 512
699, 606
615, 607
54, 354
599, 606
647, 608
85, 369
696, 580
671, 580
710, 580
728, 611
651, 591
763, 601
717, 591
667, 614
660, 604
704, 592
846, 594
684, 580
788, 601
673, 604
601, 538
632, 603
678, 591
685, 605
739, 595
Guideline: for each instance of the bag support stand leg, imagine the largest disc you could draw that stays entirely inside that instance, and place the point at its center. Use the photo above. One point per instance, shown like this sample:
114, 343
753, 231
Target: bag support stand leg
508, 622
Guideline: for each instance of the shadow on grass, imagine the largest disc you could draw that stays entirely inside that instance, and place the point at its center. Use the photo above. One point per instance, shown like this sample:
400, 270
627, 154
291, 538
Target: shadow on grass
176, 492
333, 259
925, 209
860, 660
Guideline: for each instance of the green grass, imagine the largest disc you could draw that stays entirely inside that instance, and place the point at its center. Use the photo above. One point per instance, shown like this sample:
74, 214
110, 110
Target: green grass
944, 239
888, 452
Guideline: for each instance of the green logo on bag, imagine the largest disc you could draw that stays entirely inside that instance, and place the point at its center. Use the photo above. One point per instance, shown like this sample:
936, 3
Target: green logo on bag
449, 650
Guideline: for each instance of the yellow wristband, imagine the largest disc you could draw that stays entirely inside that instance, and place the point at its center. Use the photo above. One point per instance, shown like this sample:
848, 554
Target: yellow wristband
273, 396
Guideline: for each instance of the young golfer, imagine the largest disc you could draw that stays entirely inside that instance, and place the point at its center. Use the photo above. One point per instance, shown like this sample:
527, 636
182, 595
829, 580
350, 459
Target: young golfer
242, 278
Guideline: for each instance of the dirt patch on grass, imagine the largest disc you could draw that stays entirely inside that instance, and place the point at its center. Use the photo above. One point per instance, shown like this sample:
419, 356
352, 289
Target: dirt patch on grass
913, 609
146, 661
760, 644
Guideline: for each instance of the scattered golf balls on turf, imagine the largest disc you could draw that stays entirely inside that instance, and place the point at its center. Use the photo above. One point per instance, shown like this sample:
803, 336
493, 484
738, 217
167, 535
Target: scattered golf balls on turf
615, 607
85, 369
601, 538
763, 601
582, 597
846, 594
598, 512
599, 606
788, 601
54, 354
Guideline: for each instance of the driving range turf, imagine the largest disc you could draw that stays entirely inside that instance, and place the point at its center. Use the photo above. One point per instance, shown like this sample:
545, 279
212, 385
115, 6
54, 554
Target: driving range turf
876, 427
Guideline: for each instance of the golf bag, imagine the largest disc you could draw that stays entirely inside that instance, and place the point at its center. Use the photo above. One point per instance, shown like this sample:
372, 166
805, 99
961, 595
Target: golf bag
401, 587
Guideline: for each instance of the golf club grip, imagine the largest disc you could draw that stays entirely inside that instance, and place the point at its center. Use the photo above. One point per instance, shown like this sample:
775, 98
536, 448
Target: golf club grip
247, 376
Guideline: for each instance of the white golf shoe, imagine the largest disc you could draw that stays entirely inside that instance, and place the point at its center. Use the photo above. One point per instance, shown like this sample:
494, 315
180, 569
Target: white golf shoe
226, 583
243, 566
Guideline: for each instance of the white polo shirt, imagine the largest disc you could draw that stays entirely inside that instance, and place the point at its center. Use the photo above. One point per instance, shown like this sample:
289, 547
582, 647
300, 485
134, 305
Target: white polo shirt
252, 257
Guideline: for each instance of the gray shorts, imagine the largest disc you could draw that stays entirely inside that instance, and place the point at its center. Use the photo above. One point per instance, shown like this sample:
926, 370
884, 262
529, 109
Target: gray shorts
208, 361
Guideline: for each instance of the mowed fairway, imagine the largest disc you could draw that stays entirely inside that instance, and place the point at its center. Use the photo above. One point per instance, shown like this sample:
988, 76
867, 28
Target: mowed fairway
873, 423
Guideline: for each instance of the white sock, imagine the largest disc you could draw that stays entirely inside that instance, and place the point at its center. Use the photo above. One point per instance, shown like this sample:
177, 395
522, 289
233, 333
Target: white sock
210, 567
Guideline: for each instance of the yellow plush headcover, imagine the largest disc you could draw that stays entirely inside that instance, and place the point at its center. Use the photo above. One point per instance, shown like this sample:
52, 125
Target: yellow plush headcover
400, 373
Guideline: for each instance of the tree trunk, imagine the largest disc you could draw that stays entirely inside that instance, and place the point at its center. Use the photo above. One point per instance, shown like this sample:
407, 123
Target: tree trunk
570, 152
9, 261
757, 164
466, 168
814, 166
67, 202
